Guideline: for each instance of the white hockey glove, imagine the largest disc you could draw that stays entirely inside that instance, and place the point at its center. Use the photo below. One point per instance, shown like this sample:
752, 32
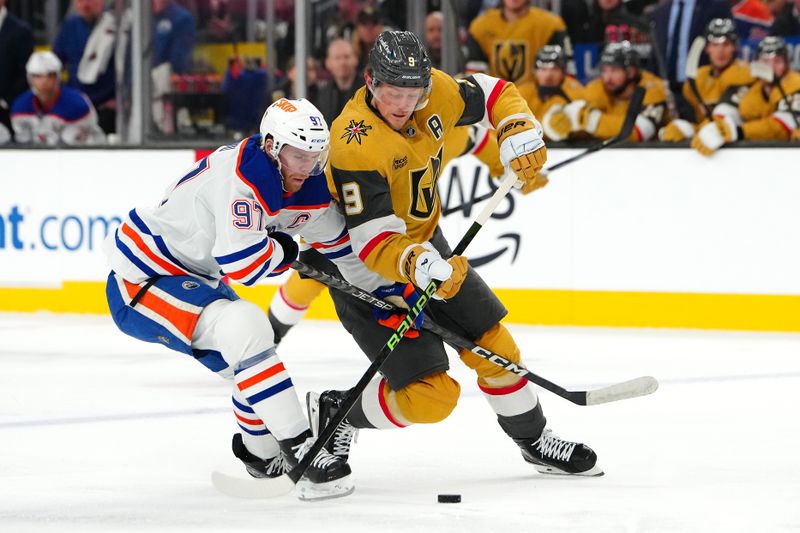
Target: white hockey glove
676, 131
582, 117
422, 264
556, 124
714, 134
522, 150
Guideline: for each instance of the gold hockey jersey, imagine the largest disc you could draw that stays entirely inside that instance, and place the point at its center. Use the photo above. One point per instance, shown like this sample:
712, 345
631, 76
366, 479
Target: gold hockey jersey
541, 100
510, 47
385, 179
729, 87
475, 140
653, 115
768, 117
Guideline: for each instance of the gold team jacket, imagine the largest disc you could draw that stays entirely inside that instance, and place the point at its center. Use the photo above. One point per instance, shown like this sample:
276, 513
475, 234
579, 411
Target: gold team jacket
767, 117
510, 47
728, 87
653, 115
385, 179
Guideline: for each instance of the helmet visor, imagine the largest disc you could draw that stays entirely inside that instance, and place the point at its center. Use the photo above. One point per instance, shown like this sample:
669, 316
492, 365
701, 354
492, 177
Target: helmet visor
407, 98
296, 161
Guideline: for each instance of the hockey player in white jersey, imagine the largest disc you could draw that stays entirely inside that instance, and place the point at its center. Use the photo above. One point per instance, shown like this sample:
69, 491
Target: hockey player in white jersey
235, 214
51, 114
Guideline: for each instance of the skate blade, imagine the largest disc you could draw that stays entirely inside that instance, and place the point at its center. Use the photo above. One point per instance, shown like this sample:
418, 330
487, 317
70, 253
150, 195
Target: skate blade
338, 488
312, 408
595, 471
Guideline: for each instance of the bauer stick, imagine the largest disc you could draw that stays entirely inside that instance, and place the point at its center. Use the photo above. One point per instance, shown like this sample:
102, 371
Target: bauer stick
619, 391
635, 106
270, 487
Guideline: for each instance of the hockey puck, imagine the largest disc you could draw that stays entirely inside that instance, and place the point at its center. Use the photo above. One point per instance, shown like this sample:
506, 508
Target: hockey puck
449, 498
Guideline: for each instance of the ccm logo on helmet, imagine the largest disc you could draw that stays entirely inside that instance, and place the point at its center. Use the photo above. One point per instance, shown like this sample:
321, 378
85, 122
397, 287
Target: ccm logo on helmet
286, 105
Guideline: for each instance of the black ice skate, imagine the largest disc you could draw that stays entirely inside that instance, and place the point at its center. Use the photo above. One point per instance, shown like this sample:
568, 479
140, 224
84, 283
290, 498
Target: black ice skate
256, 466
323, 407
326, 477
550, 454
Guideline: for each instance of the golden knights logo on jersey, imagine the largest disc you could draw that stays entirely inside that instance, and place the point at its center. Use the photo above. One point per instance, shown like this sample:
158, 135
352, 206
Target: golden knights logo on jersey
423, 187
355, 130
511, 59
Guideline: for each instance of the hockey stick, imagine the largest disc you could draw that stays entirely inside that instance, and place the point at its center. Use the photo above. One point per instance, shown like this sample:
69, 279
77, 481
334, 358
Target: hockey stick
692, 64
270, 487
634, 107
619, 391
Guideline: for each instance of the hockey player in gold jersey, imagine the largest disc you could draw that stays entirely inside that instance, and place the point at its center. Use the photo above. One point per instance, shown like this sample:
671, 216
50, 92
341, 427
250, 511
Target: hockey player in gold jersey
768, 111
387, 153
293, 298
603, 110
504, 41
722, 83
551, 90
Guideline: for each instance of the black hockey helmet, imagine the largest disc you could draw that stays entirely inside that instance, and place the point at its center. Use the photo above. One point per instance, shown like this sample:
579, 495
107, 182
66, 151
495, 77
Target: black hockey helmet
399, 58
621, 54
772, 46
551, 54
719, 30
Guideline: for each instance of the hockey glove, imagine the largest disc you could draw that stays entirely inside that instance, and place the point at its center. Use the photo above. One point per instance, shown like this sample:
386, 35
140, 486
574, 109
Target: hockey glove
582, 117
290, 250
556, 124
676, 131
712, 135
404, 296
522, 149
421, 265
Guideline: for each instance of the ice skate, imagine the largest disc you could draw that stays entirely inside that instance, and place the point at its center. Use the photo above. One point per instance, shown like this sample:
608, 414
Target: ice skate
255, 465
323, 407
550, 454
326, 477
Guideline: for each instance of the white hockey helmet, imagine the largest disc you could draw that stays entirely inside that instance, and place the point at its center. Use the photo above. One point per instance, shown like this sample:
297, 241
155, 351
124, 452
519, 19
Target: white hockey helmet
296, 123
42, 63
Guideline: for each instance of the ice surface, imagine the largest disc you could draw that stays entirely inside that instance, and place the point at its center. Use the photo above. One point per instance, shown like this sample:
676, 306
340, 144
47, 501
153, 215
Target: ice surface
100, 432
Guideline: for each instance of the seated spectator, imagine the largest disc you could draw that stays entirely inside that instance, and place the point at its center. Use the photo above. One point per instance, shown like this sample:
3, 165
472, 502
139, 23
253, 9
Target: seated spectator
606, 102
764, 113
787, 22
551, 91
504, 41
85, 45
719, 85
287, 88
49, 114
753, 18
173, 36
433, 38
587, 22
16, 45
368, 26
342, 63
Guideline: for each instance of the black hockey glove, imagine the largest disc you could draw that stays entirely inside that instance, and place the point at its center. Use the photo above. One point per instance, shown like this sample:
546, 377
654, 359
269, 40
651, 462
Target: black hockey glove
290, 250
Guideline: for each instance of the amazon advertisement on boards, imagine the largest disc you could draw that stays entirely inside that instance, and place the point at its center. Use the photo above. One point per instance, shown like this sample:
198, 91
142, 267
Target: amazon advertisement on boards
665, 220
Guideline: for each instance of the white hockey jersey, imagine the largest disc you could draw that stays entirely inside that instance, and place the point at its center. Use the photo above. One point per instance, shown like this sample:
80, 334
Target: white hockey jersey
71, 120
216, 219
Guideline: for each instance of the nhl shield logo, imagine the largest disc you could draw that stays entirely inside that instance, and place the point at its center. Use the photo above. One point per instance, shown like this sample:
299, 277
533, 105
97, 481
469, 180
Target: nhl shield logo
189, 285
511, 59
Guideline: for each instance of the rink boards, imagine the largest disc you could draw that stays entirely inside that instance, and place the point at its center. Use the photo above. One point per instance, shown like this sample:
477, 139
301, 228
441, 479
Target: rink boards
626, 237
